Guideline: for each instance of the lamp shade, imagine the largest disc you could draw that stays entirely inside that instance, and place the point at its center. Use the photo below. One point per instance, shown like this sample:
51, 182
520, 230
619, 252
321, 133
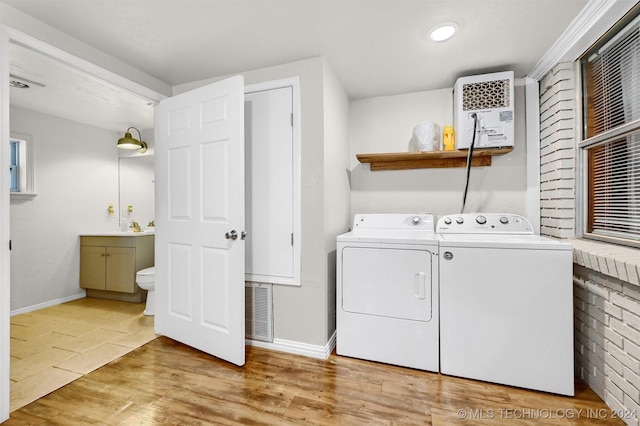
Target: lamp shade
129, 142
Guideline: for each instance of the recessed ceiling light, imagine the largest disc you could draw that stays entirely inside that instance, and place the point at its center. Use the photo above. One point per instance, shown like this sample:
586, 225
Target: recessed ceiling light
443, 32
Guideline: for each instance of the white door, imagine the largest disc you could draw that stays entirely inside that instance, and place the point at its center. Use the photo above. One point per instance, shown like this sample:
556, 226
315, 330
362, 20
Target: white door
200, 219
269, 185
387, 282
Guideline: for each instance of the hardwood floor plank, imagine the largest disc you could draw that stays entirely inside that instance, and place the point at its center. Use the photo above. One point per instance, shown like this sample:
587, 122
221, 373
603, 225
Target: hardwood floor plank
86, 401
165, 382
188, 407
355, 411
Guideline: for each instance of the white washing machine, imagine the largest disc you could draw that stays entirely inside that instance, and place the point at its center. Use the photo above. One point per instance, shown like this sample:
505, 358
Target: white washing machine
387, 290
506, 303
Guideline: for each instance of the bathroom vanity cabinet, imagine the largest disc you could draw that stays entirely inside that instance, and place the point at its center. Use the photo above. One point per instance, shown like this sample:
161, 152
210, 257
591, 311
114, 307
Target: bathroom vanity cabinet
108, 264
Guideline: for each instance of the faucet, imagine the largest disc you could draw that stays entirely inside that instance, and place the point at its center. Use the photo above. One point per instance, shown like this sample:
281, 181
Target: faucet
135, 227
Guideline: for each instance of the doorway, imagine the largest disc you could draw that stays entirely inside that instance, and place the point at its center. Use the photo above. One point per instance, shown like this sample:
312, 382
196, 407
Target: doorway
11, 37
150, 96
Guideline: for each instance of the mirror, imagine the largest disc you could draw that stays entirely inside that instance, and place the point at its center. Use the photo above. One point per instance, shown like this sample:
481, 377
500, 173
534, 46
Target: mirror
136, 186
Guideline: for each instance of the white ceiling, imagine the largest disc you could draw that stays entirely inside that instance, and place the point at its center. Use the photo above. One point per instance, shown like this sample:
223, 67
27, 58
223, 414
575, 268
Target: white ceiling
375, 47
70, 94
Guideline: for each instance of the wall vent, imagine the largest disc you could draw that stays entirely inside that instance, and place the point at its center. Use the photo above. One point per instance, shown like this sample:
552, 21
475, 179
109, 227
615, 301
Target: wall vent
489, 97
259, 311
486, 95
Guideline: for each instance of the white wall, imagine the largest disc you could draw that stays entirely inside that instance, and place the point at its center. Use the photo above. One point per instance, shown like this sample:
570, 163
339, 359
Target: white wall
337, 191
76, 178
385, 124
300, 313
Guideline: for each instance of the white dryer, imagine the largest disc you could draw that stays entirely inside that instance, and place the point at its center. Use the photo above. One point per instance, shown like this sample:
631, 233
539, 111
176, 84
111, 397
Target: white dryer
506, 303
387, 290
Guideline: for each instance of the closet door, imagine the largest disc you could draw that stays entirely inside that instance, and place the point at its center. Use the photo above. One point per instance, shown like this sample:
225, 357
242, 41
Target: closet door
269, 185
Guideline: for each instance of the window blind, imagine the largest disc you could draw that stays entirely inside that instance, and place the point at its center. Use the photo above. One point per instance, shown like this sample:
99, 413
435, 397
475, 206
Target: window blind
612, 82
615, 188
611, 91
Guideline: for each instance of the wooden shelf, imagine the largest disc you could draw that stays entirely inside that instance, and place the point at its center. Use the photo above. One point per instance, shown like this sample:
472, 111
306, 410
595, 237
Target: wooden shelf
430, 159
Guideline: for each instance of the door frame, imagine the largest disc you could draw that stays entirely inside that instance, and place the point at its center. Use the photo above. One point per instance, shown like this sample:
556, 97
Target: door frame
10, 35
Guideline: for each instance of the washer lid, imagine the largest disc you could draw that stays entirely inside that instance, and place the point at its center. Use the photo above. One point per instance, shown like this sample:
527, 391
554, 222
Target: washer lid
514, 241
390, 236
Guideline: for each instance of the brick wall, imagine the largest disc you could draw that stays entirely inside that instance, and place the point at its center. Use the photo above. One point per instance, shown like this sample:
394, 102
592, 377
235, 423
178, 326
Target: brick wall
606, 277
607, 338
557, 152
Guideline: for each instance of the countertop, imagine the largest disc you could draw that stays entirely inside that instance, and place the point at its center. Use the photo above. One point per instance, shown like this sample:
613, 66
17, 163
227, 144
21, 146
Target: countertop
119, 234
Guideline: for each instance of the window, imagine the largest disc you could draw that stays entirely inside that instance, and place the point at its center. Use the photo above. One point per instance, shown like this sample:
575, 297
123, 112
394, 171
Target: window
14, 164
611, 136
21, 166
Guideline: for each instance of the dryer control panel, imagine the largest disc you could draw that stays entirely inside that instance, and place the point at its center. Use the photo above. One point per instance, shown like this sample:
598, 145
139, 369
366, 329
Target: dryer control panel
407, 221
484, 223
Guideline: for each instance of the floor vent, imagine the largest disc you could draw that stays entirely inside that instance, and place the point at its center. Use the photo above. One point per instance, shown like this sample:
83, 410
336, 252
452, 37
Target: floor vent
259, 311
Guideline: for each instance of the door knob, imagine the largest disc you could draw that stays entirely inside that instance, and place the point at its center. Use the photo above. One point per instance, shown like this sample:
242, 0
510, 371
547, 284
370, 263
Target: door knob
232, 235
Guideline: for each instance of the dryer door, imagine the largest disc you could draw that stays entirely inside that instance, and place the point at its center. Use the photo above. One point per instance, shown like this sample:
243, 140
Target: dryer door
387, 282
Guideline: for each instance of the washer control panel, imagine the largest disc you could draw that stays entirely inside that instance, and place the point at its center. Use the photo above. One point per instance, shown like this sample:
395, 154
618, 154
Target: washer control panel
479, 223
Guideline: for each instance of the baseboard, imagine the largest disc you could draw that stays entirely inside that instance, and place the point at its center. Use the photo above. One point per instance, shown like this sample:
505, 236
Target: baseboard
298, 348
32, 308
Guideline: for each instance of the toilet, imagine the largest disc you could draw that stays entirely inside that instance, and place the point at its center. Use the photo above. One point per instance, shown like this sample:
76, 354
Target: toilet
146, 280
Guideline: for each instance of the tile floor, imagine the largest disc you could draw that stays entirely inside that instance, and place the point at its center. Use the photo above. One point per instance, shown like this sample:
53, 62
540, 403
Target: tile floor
54, 346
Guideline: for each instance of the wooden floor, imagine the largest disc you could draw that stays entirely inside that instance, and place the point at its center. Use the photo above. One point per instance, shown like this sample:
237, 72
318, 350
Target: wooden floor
54, 346
166, 383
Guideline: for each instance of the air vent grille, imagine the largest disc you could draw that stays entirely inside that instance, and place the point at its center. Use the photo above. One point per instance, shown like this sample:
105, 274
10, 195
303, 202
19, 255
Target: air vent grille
259, 311
486, 95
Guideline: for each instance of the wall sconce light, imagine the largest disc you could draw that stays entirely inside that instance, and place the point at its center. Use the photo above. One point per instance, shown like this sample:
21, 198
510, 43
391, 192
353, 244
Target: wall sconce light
129, 142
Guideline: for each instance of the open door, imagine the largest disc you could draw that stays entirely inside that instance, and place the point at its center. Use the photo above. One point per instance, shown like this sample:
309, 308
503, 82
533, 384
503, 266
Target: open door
200, 243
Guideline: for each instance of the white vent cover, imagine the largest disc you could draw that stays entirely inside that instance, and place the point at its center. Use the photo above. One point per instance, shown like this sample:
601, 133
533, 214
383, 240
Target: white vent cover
490, 97
486, 94
258, 311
